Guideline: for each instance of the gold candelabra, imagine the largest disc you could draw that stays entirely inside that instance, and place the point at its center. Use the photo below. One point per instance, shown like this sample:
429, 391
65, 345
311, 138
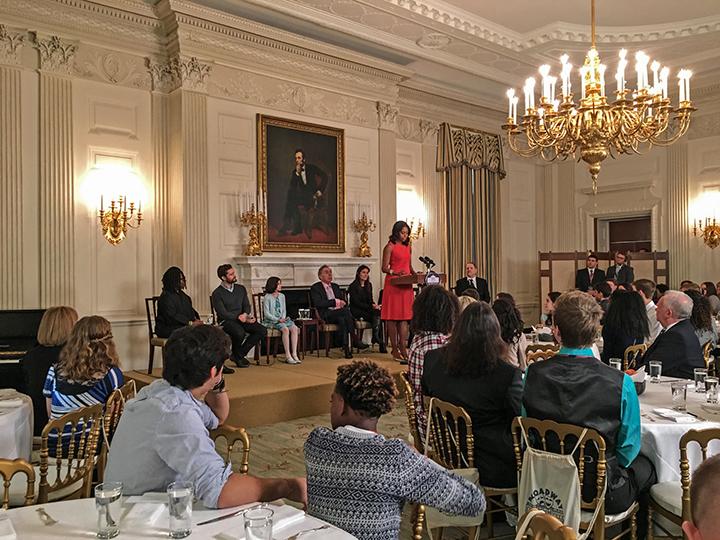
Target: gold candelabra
254, 219
596, 128
710, 232
116, 220
417, 229
363, 226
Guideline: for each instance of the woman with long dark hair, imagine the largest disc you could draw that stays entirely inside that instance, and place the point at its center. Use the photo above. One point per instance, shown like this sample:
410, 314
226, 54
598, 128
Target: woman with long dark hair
701, 319
362, 305
174, 308
397, 300
511, 331
471, 371
549, 308
626, 324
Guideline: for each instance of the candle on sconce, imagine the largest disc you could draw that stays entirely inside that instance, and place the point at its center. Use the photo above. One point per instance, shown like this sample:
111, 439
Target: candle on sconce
641, 63
545, 72
681, 84
620, 75
515, 100
601, 69
101, 203
664, 73
583, 71
655, 67
510, 95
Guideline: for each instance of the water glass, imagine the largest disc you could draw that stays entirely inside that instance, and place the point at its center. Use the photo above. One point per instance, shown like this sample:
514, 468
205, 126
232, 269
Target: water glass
700, 375
108, 503
711, 389
655, 371
258, 524
616, 363
679, 395
180, 495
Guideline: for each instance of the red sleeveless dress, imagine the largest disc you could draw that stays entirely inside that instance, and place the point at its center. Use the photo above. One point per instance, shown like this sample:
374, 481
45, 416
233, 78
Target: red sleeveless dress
397, 300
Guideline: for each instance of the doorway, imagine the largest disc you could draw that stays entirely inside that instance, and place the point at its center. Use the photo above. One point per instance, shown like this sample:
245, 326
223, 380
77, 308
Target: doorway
624, 234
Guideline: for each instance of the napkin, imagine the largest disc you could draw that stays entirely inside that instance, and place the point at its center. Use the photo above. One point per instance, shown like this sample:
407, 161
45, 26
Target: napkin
676, 416
11, 403
144, 513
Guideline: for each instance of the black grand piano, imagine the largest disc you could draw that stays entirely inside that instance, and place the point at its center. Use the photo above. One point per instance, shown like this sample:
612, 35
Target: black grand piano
18, 334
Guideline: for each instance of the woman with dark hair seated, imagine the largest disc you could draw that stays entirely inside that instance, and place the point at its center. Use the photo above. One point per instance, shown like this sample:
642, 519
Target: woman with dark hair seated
174, 308
625, 324
434, 314
362, 305
549, 309
511, 330
472, 372
701, 319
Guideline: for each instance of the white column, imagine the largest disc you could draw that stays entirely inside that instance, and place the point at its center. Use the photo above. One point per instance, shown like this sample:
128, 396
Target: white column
387, 214
677, 207
56, 204
11, 215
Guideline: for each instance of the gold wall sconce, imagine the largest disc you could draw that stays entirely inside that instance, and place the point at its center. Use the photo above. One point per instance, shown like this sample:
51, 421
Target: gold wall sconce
363, 226
118, 218
709, 232
417, 228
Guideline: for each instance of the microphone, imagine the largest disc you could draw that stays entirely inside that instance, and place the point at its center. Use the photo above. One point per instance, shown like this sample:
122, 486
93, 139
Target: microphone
423, 260
430, 261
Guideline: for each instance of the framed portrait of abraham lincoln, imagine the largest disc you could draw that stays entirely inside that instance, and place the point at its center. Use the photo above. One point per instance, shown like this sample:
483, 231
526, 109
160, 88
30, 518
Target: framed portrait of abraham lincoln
301, 180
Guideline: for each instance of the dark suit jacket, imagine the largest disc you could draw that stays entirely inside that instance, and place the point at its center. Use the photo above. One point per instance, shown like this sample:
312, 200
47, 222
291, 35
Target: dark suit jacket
174, 310
626, 275
582, 278
482, 287
678, 349
319, 299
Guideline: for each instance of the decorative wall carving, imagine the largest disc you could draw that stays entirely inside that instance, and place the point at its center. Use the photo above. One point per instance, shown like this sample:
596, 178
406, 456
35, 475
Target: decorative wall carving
10, 46
188, 73
387, 115
705, 126
56, 55
111, 67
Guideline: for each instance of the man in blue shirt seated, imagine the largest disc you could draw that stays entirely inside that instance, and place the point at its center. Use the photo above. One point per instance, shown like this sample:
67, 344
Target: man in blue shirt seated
575, 388
163, 435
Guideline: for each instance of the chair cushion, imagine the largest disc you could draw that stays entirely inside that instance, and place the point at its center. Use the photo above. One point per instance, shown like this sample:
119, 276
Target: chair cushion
669, 496
610, 519
18, 486
272, 332
158, 341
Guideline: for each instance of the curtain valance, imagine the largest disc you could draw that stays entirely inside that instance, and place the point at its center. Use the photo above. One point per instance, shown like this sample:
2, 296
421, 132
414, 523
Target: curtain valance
458, 146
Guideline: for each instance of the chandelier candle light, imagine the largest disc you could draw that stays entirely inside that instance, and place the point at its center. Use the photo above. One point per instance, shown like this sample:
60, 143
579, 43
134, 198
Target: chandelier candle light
253, 219
592, 129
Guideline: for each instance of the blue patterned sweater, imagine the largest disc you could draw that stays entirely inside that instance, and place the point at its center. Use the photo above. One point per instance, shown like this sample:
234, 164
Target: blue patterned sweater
359, 480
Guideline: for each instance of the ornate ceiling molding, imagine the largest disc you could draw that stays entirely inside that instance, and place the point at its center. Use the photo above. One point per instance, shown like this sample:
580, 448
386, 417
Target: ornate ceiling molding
11, 43
111, 67
57, 55
705, 126
186, 73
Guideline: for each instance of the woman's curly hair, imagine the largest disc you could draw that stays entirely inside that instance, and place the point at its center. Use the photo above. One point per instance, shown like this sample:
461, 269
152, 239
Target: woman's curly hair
89, 352
368, 388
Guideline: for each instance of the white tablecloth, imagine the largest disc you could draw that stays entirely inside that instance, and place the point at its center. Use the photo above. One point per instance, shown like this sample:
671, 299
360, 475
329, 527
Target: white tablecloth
661, 436
16, 425
78, 519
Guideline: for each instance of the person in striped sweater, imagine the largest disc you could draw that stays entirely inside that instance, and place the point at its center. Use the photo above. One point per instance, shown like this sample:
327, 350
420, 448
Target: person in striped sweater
357, 479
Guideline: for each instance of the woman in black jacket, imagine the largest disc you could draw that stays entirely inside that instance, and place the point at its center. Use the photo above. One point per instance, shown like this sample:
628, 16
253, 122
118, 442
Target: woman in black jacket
174, 309
625, 324
362, 305
471, 371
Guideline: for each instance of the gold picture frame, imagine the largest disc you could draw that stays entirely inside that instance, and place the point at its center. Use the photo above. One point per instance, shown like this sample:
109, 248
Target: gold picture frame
301, 185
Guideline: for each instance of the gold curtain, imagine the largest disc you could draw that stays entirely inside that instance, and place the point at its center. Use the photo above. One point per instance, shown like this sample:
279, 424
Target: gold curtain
472, 165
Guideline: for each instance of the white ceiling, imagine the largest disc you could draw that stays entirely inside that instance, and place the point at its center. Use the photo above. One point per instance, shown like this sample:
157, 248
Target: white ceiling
474, 49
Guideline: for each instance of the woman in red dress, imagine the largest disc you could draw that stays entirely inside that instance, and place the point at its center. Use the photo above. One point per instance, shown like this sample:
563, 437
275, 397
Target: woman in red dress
397, 300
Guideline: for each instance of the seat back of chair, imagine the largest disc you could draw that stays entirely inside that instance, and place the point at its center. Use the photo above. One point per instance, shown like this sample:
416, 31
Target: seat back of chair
708, 357
537, 356
151, 313
75, 441
561, 439
632, 354
411, 414
8, 469
543, 526
702, 437
542, 347
451, 434
232, 435
114, 407
258, 307
213, 312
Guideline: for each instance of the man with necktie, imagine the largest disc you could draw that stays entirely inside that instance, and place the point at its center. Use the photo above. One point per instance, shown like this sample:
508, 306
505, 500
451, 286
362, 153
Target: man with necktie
590, 275
620, 271
472, 281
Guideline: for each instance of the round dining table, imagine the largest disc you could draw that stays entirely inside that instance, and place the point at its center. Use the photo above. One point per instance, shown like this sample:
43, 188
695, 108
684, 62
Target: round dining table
16, 425
146, 517
662, 427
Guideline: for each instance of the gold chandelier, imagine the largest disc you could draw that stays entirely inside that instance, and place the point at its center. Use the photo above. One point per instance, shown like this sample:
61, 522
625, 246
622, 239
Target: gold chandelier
636, 120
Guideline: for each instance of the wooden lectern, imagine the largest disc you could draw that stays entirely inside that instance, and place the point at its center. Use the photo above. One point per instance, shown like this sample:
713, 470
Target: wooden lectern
419, 279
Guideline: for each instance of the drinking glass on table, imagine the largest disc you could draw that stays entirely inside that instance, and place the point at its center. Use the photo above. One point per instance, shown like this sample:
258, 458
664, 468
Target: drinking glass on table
616, 363
679, 395
180, 495
711, 389
655, 371
108, 503
700, 375
258, 524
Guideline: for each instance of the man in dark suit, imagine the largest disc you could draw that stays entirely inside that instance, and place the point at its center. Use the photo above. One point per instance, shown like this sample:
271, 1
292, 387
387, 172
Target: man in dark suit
472, 281
329, 300
590, 275
306, 196
677, 345
620, 271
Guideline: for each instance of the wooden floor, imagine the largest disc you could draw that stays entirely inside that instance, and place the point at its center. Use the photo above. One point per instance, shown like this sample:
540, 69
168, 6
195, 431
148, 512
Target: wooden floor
261, 395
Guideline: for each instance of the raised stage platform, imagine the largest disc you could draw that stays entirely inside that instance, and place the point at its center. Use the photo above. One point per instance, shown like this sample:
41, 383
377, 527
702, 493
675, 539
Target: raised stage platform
263, 394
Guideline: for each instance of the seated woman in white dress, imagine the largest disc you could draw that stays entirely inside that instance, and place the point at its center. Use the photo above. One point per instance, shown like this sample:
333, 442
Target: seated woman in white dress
275, 317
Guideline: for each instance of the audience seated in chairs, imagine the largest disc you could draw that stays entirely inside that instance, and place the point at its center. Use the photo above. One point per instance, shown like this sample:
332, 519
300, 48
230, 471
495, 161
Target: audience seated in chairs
232, 305
575, 388
472, 371
511, 330
174, 308
704, 502
329, 300
163, 437
363, 307
275, 317
435, 312
702, 319
646, 289
626, 324
357, 479
677, 346
54, 330
88, 370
